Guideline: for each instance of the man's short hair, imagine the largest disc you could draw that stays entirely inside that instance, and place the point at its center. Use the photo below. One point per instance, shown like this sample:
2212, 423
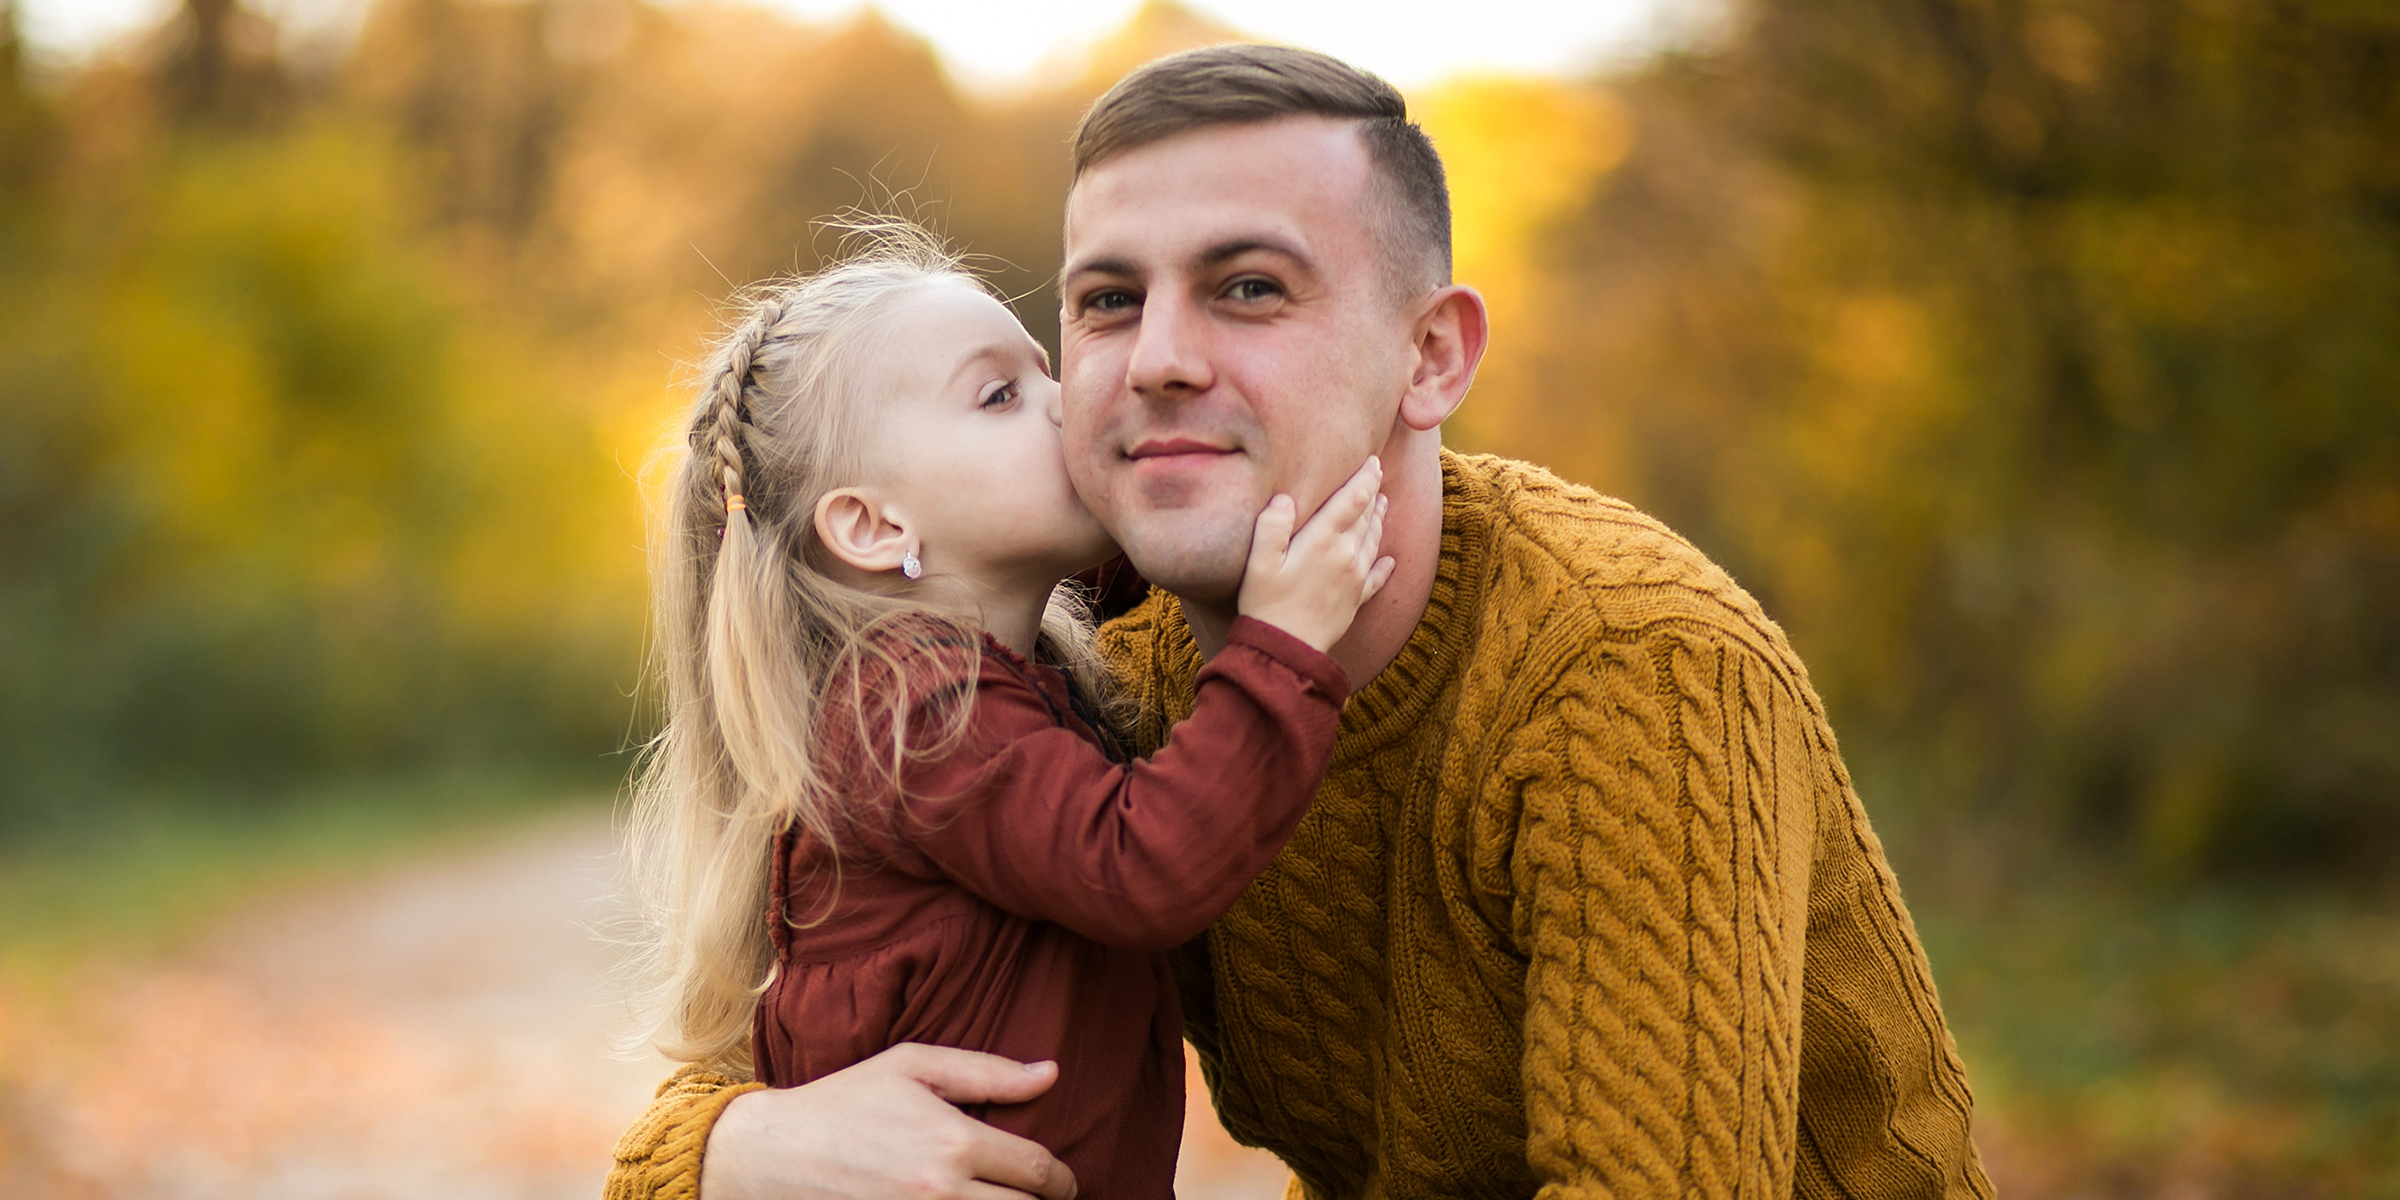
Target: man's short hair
1247, 84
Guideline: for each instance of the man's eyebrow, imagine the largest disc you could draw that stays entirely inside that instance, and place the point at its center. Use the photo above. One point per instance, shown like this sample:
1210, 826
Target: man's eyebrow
1119, 267
1220, 253
1216, 255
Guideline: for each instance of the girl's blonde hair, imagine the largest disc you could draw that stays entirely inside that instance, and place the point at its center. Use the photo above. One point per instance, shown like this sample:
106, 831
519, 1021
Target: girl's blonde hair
752, 636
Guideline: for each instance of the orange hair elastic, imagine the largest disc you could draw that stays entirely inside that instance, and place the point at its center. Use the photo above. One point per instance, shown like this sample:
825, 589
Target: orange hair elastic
734, 503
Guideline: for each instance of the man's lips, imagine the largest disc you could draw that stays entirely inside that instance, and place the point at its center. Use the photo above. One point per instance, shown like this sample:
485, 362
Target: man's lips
1186, 448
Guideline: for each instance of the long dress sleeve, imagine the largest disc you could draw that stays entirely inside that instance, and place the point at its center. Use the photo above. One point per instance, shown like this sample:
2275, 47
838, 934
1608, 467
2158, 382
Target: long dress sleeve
1141, 855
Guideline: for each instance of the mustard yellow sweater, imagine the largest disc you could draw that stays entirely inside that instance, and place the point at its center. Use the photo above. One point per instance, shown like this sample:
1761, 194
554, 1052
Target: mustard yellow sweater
1585, 907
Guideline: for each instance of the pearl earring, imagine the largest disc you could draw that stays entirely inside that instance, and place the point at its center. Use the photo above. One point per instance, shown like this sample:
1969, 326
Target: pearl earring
910, 567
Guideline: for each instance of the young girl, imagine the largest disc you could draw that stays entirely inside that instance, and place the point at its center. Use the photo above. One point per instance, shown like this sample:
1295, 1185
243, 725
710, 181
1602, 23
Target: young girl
886, 806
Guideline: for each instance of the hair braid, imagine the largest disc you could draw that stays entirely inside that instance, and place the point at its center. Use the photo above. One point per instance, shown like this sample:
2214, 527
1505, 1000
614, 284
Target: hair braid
720, 436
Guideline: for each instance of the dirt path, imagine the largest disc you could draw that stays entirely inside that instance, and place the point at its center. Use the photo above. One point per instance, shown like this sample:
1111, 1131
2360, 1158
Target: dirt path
435, 1030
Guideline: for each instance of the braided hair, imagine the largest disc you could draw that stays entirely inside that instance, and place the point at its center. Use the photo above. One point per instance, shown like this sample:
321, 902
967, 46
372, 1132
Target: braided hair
719, 438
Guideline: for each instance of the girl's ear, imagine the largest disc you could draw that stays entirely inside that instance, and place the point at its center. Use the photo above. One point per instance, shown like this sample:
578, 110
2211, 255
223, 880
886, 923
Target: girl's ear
861, 532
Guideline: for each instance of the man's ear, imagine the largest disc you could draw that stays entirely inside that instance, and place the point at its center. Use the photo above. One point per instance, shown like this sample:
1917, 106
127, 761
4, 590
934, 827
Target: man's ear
861, 532
1450, 332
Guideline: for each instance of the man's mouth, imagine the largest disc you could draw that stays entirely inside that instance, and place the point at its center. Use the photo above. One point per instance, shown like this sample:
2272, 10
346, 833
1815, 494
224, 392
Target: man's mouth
1176, 451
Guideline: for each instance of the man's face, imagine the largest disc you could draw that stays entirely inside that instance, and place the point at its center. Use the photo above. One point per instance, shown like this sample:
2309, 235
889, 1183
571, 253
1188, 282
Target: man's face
1229, 331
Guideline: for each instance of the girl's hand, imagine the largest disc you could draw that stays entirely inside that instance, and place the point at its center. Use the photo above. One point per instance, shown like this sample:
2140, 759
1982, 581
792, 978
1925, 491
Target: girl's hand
1310, 584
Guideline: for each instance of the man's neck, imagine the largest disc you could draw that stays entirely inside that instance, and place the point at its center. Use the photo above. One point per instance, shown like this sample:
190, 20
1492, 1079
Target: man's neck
1412, 535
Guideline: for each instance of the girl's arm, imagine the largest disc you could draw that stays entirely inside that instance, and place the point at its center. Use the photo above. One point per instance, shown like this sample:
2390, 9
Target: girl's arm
1143, 855
1031, 816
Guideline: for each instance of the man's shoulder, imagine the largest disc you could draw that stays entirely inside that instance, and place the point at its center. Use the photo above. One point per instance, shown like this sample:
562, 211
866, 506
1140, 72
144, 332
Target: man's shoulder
1572, 561
1143, 630
1150, 652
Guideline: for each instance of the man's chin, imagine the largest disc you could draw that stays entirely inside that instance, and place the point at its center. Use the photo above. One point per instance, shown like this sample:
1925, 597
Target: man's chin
1200, 562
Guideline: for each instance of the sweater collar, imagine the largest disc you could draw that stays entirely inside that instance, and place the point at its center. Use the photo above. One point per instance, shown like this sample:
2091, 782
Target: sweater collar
1396, 702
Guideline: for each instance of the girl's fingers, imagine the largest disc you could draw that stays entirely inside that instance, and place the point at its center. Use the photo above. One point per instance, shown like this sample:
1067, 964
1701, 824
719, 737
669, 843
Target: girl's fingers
1371, 541
1349, 502
1272, 534
1379, 575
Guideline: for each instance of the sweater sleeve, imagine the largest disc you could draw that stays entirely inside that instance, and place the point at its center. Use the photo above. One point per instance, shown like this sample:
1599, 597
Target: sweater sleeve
1669, 873
1884, 1106
658, 1158
1139, 855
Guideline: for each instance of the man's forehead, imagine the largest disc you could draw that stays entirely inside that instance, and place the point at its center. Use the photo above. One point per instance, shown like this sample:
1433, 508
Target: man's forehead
1294, 181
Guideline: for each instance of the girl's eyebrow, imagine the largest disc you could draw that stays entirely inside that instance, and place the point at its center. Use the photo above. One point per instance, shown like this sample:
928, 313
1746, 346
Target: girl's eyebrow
989, 352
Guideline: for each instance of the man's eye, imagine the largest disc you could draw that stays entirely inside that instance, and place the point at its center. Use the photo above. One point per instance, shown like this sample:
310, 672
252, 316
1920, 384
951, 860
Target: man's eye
1253, 289
1001, 396
1112, 300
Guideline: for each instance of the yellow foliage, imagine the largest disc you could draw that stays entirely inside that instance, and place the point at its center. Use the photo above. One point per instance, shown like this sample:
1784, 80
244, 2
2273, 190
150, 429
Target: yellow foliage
1522, 154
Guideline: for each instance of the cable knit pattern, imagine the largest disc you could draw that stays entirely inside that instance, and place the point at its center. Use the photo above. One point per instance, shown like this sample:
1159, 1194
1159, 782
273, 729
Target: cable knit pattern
659, 1157
1586, 905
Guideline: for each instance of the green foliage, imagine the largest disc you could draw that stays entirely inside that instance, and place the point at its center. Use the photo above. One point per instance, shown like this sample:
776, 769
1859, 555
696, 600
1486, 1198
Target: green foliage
2037, 364
2214, 1042
323, 387
153, 866
256, 437
2036, 361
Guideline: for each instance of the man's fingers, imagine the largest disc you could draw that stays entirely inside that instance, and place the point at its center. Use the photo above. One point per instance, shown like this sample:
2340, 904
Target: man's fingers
972, 1077
1005, 1165
977, 1190
1000, 1159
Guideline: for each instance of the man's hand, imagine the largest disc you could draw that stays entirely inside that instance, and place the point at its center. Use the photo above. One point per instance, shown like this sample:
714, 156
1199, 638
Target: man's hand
1309, 584
886, 1128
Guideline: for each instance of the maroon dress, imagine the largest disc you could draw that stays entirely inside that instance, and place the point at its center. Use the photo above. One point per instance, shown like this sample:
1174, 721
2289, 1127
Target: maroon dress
1021, 900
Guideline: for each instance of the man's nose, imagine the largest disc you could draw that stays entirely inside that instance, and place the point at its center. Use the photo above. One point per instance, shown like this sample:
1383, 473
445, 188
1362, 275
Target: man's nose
1170, 353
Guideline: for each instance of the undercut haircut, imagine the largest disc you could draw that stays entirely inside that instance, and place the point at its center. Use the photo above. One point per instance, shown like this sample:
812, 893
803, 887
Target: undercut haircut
1248, 84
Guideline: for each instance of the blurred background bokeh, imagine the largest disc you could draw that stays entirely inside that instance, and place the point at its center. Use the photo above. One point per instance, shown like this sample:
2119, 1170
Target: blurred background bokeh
2035, 362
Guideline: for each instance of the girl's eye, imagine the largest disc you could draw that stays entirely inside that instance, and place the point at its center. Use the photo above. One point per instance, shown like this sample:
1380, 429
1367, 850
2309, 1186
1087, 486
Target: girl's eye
1001, 396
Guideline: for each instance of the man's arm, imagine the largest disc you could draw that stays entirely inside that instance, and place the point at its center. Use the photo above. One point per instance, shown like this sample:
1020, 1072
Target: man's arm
1665, 867
887, 1127
1884, 1107
658, 1158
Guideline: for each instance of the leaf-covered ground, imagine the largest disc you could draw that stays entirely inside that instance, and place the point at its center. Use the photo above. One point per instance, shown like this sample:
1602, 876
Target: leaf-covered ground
434, 1019
436, 1027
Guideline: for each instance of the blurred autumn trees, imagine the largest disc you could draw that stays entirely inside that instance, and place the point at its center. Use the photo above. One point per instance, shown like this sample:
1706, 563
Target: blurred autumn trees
2037, 363
325, 376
